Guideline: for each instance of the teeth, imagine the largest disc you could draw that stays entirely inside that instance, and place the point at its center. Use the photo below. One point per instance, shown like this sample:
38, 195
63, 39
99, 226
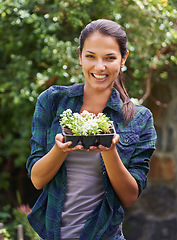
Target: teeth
99, 76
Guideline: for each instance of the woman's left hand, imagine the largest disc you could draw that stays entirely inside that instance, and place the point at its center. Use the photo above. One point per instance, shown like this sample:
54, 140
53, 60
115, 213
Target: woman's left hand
101, 148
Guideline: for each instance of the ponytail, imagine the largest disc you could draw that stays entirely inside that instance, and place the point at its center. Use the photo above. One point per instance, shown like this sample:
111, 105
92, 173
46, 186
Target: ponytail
129, 107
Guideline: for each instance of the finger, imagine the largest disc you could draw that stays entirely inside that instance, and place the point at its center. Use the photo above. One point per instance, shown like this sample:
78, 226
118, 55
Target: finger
78, 147
93, 148
59, 137
63, 146
116, 139
103, 148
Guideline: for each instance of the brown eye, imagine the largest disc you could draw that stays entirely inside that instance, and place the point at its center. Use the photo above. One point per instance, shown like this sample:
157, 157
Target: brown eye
111, 58
89, 56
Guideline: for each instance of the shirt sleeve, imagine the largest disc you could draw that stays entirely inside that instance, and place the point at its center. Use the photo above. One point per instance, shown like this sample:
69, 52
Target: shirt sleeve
139, 162
40, 124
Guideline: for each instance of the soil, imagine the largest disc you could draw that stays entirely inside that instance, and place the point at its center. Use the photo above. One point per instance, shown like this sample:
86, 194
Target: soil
68, 131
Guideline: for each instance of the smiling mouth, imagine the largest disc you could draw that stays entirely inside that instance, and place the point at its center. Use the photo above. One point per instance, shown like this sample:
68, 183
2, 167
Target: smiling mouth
99, 76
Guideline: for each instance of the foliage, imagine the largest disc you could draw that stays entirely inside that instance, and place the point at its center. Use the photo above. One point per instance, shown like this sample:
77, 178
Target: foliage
38, 48
12, 218
4, 234
20, 214
152, 35
85, 123
4, 213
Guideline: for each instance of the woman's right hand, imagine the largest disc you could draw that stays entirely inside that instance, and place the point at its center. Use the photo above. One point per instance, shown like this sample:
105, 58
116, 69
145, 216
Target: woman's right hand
47, 167
59, 140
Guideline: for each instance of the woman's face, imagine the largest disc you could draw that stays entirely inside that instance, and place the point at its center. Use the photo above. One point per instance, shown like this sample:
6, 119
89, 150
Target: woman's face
101, 61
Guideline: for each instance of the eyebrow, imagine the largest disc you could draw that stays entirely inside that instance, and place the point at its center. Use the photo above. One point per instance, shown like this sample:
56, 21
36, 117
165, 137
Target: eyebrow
106, 54
90, 52
110, 54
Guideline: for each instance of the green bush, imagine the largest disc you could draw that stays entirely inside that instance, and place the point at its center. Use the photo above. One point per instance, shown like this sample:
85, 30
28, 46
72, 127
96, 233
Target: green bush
38, 48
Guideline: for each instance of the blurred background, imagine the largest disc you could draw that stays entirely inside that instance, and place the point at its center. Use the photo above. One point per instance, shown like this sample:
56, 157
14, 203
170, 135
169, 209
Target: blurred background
38, 48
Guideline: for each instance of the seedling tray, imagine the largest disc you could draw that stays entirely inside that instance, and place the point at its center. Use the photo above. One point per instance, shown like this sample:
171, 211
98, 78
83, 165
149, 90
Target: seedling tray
90, 140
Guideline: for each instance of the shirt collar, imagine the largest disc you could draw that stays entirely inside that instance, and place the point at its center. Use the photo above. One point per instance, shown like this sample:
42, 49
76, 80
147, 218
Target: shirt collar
76, 90
114, 101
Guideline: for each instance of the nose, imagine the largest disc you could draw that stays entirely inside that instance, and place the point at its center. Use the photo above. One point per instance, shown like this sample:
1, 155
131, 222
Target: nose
100, 65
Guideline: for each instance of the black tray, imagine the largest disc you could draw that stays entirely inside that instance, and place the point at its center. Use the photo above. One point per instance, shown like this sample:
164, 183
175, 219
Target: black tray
90, 140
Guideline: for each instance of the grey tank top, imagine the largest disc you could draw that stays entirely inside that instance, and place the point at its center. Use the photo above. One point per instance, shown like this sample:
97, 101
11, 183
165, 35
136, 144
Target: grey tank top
84, 192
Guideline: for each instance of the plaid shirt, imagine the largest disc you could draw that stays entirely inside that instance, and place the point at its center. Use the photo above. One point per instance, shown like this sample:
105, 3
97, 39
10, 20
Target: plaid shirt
137, 143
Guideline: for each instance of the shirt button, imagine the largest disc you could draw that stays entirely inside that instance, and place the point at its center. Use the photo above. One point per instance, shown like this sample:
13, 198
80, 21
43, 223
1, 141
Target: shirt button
104, 173
126, 140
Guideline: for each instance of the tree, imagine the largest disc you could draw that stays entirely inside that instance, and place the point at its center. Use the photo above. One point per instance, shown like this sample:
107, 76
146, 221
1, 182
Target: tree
38, 48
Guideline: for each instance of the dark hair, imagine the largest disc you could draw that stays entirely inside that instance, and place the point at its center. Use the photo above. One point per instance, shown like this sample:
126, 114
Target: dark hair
113, 29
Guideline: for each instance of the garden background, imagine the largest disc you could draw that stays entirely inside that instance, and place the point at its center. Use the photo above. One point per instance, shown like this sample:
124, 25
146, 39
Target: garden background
38, 48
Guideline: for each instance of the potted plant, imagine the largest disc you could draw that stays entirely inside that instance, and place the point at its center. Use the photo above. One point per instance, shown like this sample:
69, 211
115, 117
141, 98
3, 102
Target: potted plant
87, 128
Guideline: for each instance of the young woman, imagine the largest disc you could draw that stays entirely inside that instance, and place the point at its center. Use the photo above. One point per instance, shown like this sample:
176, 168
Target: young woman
84, 190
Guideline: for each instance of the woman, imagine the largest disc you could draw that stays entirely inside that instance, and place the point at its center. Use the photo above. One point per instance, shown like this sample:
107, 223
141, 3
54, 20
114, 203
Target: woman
84, 190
